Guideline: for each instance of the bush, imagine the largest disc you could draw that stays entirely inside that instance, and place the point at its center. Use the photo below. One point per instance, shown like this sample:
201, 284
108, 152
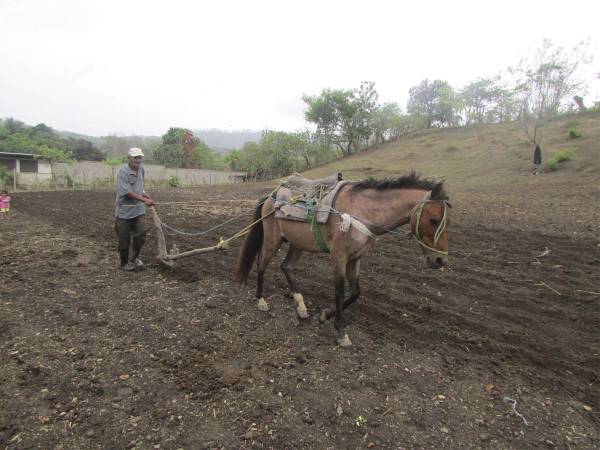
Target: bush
563, 155
574, 133
6, 177
559, 157
174, 181
553, 164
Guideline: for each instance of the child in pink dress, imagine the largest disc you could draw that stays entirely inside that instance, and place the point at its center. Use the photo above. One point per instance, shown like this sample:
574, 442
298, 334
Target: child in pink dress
4, 204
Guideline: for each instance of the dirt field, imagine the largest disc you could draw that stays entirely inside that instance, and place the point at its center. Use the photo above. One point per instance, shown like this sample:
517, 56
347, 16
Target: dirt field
95, 358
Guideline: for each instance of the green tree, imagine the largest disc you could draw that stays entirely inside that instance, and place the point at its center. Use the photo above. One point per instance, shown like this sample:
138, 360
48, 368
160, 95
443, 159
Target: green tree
180, 148
278, 154
435, 101
17, 137
383, 121
343, 116
404, 124
233, 160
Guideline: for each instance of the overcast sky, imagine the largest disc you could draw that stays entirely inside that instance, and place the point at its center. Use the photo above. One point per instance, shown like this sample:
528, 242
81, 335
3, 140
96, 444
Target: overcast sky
138, 67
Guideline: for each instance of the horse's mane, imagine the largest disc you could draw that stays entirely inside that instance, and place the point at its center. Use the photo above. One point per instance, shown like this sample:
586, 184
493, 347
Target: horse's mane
410, 181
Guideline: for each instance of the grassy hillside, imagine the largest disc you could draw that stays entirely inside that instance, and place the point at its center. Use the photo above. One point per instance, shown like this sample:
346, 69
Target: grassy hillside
490, 156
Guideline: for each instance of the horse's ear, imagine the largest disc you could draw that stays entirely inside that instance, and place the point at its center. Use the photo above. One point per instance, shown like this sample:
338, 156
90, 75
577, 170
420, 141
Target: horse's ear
437, 190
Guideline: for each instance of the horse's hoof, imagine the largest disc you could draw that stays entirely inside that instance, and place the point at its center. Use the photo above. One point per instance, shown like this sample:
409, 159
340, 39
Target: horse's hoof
262, 305
300, 306
323, 316
302, 313
344, 341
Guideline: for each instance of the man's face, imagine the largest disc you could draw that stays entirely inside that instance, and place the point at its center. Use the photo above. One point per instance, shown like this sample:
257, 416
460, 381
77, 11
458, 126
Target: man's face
135, 162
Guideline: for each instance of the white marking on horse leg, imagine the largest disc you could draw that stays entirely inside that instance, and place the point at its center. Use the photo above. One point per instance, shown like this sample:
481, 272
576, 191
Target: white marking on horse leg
344, 341
300, 306
262, 305
323, 316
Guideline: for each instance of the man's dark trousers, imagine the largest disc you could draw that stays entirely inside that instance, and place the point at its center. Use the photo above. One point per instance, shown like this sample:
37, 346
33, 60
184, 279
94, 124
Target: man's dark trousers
130, 230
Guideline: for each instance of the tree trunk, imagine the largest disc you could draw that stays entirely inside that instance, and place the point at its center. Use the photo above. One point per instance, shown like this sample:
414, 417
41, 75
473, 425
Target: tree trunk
579, 101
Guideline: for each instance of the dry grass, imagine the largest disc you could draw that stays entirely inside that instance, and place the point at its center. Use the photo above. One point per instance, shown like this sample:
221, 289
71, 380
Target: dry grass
486, 157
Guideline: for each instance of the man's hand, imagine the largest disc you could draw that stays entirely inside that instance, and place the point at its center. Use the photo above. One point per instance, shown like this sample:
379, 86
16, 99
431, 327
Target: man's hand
148, 201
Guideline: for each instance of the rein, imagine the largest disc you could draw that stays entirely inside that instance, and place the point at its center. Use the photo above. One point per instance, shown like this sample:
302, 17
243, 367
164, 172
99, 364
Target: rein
417, 211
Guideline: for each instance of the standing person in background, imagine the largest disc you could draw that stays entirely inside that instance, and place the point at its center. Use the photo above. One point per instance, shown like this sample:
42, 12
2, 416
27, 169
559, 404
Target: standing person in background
537, 159
130, 210
4, 204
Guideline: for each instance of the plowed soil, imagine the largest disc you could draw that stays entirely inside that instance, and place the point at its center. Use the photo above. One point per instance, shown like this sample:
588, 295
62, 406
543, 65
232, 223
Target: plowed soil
92, 357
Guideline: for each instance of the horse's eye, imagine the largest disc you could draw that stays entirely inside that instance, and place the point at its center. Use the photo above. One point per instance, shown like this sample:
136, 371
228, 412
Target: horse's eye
434, 222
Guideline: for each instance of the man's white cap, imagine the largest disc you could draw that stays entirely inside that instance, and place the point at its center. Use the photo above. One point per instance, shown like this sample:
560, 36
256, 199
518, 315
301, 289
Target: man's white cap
134, 151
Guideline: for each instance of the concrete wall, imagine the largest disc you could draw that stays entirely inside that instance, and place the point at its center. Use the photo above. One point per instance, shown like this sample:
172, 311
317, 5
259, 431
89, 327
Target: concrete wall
92, 172
43, 176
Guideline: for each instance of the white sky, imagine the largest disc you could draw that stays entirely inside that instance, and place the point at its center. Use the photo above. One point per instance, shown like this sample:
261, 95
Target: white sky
138, 67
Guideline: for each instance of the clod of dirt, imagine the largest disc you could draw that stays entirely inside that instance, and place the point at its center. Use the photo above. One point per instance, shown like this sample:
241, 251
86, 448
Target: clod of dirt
258, 374
86, 259
124, 391
231, 372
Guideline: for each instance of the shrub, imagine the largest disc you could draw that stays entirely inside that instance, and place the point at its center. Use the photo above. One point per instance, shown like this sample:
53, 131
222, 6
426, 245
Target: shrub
559, 157
574, 133
563, 155
174, 181
6, 177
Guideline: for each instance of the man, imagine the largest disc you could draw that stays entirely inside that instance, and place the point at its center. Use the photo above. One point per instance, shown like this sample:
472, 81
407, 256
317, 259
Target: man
537, 159
130, 210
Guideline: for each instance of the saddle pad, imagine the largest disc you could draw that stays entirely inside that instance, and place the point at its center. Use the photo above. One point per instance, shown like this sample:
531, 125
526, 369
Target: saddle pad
296, 207
312, 188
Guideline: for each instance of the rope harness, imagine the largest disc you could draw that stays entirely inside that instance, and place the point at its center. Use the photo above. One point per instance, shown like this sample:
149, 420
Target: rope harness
347, 221
417, 211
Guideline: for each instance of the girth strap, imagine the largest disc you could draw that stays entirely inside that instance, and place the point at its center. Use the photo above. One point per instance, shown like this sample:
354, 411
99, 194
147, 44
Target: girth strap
315, 226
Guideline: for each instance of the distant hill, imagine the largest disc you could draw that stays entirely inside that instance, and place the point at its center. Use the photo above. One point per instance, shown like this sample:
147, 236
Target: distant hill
220, 141
223, 141
93, 139
114, 145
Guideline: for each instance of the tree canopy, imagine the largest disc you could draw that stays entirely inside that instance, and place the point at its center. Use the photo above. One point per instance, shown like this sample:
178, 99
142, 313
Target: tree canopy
180, 148
17, 137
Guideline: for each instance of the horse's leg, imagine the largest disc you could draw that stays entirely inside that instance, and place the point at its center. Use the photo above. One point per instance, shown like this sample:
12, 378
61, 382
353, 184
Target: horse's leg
271, 243
340, 282
287, 266
352, 272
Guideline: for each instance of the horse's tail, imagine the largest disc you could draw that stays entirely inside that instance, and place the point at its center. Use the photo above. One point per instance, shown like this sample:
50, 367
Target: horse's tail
251, 247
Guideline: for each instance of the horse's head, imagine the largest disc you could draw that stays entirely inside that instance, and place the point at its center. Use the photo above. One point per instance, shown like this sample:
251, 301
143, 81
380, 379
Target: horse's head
429, 225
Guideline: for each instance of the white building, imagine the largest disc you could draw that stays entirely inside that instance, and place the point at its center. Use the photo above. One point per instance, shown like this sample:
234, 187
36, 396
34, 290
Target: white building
27, 169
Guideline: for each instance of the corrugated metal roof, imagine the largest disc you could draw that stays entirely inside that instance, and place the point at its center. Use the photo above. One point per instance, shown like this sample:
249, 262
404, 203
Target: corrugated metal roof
18, 155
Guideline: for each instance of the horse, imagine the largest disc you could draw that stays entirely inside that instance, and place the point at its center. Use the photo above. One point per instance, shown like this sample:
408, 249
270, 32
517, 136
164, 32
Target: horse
362, 210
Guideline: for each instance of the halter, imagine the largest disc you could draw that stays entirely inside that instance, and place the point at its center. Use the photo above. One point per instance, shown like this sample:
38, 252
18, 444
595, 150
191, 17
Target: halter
417, 210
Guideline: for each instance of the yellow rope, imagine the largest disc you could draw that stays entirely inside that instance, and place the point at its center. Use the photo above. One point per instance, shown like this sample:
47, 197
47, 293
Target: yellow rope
418, 209
224, 243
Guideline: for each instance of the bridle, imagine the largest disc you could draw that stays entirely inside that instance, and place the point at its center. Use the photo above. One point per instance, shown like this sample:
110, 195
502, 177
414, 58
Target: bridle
417, 211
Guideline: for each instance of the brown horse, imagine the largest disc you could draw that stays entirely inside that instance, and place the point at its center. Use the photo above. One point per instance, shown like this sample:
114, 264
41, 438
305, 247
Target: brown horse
362, 210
